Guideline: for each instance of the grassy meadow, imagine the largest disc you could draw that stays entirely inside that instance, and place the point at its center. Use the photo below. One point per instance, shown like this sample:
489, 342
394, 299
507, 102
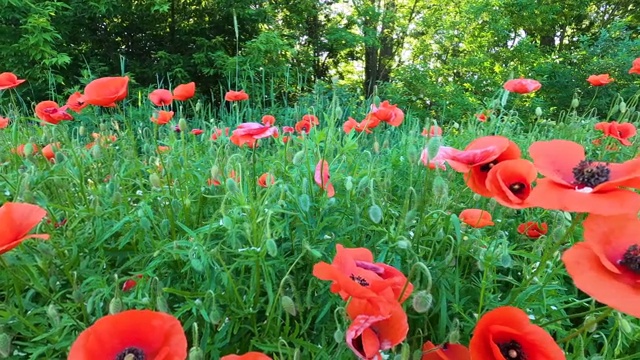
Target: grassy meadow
142, 215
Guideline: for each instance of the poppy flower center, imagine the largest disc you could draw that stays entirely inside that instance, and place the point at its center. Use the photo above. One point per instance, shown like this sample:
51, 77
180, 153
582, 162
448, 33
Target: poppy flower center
486, 167
131, 353
512, 351
588, 174
631, 259
517, 187
359, 279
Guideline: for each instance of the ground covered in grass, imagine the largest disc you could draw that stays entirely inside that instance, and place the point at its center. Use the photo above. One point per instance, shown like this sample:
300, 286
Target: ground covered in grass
300, 233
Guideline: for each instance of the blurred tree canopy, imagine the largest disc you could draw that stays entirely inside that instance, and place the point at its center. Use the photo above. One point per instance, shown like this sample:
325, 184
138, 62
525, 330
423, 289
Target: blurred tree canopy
440, 57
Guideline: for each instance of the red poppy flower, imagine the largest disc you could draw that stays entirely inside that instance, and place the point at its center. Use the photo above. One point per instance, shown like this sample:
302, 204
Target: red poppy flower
74, 102
106, 91
102, 140
232, 95
509, 182
144, 334
522, 86
268, 120
162, 118
576, 183
49, 112
9, 80
20, 149
446, 351
16, 220
354, 274
197, 131
130, 283
621, 132
322, 177
606, 265
49, 153
599, 80
254, 355
533, 229
161, 97
163, 149
387, 113
372, 331
635, 67
4, 122
184, 92
507, 333
287, 130
476, 218
433, 131
249, 133
481, 117
479, 157
266, 180
216, 134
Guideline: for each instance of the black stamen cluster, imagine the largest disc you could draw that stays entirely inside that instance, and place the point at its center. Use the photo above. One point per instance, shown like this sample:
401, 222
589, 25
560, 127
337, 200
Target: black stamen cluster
588, 175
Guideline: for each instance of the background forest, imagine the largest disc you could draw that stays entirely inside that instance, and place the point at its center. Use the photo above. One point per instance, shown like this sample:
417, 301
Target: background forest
438, 58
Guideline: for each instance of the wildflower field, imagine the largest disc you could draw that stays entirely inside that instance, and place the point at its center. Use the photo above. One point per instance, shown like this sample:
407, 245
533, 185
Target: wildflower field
154, 225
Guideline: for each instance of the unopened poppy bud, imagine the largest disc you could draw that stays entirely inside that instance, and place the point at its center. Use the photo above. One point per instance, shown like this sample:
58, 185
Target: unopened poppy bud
403, 244
348, 183
198, 106
297, 354
272, 247
440, 188
28, 149
232, 186
5, 345
182, 125
422, 301
454, 336
376, 147
590, 323
575, 102
538, 111
625, 326
115, 306
338, 336
215, 172
385, 144
82, 131
433, 146
298, 158
59, 157
161, 304
117, 197
615, 109
154, 179
196, 353
477, 197
27, 195
288, 305
53, 315
623, 107
76, 295
375, 213
103, 127
362, 184
96, 152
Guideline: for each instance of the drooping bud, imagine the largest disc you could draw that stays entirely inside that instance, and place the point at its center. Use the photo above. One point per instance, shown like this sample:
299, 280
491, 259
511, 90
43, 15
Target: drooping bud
574, 103
538, 111
422, 301
623, 107
288, 305
298, 158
